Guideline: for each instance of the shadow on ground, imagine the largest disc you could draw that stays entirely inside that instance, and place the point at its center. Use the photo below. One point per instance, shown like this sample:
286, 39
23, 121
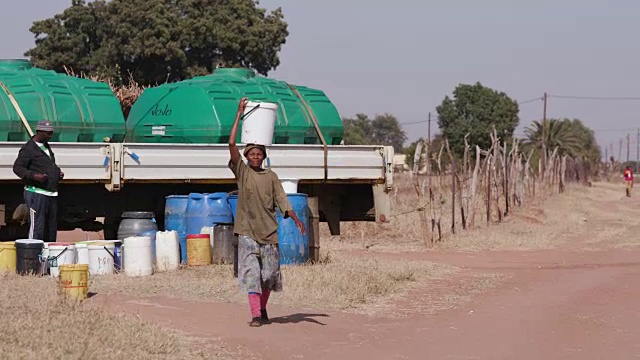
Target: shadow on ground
298, 318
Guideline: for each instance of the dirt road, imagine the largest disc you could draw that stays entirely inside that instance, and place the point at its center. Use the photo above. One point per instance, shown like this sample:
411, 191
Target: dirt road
557, 304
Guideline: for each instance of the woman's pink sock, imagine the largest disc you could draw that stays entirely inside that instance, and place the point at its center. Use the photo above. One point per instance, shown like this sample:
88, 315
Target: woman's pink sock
264, 298
254, 304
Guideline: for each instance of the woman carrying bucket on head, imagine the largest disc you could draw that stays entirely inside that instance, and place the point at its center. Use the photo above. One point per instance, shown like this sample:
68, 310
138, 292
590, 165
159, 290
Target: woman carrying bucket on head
259, 191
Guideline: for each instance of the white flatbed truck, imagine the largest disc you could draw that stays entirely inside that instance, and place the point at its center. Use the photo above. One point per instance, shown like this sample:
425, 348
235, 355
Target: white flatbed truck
102, 180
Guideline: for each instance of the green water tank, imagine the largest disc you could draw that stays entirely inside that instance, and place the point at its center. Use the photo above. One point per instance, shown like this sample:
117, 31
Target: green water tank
202, 110
80, 109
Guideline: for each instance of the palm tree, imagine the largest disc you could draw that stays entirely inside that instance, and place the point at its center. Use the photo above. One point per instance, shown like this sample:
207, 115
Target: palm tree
562, 134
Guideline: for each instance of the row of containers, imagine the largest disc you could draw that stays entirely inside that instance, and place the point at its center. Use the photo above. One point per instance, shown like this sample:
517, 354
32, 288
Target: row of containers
198, 231
134, 255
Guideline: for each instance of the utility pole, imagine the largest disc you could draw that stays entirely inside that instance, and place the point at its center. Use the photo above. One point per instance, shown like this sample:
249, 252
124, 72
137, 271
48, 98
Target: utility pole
544, 133
429, 129
428, 152
620, 152
628, 140
428, 157
637, 150
610, 150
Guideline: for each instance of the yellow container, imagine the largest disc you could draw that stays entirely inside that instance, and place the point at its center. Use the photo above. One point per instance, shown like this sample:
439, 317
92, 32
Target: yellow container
74, 280
8, 256
198, 249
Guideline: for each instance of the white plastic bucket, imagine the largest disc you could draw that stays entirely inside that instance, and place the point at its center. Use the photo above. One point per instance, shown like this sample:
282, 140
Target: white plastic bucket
290, 186
208, 230
259, 123
82, 253
137, 256
60, 254
167, 251
101, 258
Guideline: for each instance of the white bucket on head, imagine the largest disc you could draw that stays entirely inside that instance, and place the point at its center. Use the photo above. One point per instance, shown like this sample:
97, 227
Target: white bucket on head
60, 254
167, 251
82, 253
259, 123
137, 256
101, 258
290, 186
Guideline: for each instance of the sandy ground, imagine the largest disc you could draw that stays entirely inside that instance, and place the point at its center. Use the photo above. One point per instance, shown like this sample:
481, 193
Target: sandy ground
577, 299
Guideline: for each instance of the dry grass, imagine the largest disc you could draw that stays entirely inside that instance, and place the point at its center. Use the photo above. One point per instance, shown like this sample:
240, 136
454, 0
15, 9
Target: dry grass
38, 323
338, 283
581, 215
358, 284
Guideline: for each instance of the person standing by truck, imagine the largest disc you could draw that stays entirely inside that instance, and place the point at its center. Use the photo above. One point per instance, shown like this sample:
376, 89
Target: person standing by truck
628, 180
36, 166
259, 191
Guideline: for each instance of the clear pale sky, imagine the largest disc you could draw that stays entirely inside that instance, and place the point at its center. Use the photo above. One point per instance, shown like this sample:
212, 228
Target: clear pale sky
403, 56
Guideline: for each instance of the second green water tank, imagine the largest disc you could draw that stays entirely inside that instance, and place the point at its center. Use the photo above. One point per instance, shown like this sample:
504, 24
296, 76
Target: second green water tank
201, 110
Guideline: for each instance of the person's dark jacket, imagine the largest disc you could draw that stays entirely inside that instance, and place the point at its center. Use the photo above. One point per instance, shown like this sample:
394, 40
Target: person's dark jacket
33, 160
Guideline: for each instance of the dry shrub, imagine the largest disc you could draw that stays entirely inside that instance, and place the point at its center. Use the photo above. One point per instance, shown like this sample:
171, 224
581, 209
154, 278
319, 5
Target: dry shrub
127, 92
338, 282
37, 323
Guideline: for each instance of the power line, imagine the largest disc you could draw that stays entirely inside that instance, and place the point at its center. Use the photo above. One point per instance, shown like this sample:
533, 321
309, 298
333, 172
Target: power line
530, 100
415, 122
620, 98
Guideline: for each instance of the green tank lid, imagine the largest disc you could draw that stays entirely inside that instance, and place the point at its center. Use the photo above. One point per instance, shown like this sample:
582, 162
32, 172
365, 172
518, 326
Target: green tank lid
202, 110
80, 109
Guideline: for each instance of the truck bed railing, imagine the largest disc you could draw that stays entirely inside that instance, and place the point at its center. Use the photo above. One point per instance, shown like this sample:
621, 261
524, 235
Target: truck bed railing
120, 163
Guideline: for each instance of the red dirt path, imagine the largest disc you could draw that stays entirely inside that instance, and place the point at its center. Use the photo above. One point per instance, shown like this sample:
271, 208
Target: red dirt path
559, 305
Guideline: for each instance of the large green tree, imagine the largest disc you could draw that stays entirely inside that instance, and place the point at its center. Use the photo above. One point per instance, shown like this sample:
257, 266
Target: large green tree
476, 110
159, 40
388, 131
383, 129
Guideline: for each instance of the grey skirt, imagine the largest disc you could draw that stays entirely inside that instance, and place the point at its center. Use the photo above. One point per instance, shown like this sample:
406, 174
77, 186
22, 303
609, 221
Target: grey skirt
258, 266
